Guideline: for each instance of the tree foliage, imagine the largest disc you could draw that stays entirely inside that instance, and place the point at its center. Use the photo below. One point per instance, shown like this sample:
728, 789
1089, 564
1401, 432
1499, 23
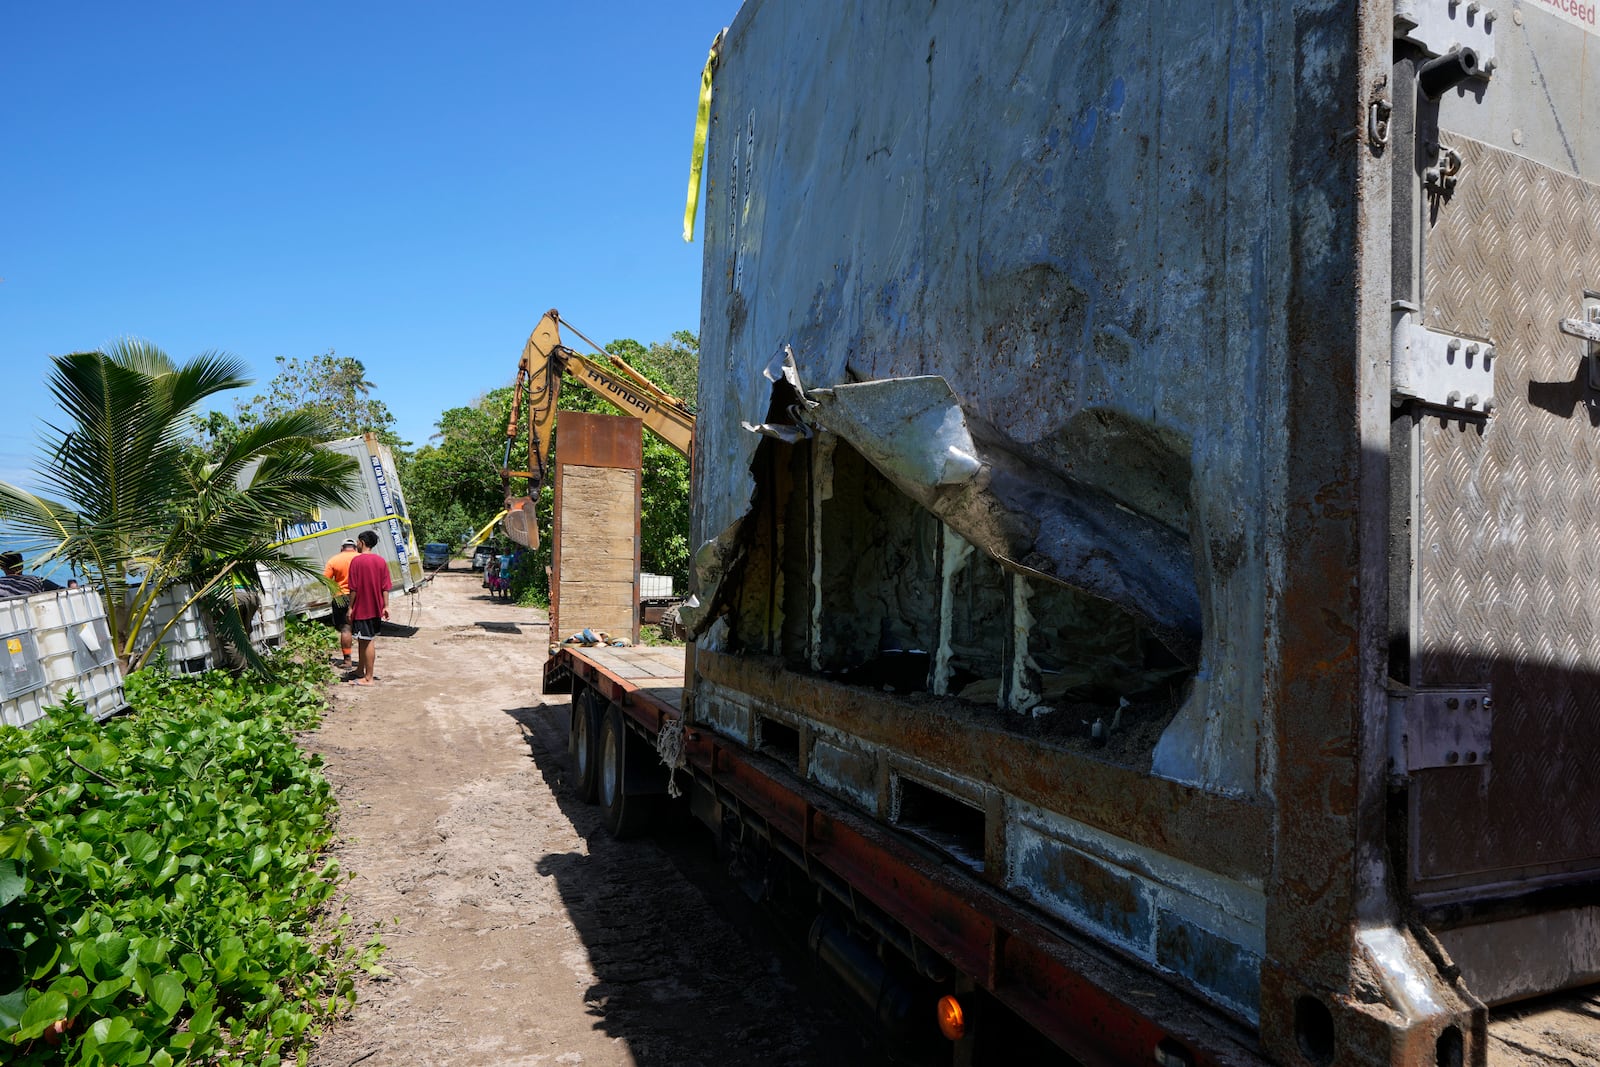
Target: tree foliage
332, 389
453, 483
126, 495
456, 476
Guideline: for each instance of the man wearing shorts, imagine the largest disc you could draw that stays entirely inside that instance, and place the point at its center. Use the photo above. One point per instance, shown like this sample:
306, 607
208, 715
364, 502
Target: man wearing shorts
338, 571
369, 602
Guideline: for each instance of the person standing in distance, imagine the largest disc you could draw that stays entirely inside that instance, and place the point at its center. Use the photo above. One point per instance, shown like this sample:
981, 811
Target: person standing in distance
338, 571
369, 602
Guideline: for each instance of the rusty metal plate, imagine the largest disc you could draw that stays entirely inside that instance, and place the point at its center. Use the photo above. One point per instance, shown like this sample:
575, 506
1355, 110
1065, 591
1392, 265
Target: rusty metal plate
1508, 561
591, 440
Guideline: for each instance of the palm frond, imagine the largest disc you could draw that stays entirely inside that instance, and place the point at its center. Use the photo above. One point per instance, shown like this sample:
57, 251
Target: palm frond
204, 375
295, 431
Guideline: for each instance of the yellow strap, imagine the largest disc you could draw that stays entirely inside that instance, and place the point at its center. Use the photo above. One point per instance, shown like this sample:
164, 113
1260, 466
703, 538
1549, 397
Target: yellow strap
697, 156
483, 535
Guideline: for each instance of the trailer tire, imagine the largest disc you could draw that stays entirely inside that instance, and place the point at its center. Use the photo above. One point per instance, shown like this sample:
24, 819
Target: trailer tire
627, 814
582, 747
671, 628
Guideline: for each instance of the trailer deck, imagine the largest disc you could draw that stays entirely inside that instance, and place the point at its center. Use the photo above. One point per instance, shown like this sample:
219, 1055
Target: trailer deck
1102, 1008
1086, 1000
642, 673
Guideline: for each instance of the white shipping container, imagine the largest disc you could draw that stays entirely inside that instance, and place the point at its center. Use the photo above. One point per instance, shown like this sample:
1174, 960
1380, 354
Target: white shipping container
50, 644
378, 505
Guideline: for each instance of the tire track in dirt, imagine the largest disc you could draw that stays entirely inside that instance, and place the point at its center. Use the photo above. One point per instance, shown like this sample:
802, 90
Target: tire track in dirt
518, 932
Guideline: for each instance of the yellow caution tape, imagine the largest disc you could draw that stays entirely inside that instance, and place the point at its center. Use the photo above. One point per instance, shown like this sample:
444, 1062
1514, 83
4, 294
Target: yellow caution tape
373, 521
697, 156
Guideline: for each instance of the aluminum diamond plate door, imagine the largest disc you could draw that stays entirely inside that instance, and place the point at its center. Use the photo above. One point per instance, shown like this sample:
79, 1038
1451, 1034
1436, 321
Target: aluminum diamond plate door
1508, 538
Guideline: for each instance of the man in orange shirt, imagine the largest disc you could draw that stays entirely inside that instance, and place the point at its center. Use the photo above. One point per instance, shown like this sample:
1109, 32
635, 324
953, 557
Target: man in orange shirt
338, 571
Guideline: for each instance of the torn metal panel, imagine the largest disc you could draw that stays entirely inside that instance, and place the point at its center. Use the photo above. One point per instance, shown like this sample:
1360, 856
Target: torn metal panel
915, 433
713, 563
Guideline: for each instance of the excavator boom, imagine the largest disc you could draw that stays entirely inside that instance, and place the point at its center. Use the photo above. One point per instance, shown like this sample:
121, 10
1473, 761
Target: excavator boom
538, 387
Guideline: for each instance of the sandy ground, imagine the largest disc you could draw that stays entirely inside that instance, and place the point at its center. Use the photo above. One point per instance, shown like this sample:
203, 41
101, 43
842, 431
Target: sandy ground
518, 931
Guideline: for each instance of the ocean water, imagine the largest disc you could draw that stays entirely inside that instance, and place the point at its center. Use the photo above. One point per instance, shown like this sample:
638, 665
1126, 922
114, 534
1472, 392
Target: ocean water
57, 570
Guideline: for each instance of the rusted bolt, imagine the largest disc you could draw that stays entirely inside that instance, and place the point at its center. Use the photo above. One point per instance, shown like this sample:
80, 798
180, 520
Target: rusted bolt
1452, 757
1472, 757
1452, 703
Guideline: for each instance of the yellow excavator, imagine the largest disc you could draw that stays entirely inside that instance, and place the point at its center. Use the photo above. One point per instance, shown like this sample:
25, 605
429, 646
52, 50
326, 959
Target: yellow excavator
544, 360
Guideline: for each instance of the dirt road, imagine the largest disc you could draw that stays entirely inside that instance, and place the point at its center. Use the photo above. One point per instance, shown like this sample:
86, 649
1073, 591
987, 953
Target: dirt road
518, 932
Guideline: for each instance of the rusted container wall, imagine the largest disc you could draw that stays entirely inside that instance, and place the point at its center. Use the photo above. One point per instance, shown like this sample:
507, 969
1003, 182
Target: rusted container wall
1077, 216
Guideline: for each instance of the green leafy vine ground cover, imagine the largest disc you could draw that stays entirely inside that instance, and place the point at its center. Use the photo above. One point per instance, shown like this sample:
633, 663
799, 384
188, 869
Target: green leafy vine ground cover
164, 896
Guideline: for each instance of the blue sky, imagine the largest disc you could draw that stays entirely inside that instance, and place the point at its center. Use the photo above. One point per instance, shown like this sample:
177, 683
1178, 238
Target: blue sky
410, 184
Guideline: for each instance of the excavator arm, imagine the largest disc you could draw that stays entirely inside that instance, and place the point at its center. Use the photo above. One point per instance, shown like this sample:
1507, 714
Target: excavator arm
538, 387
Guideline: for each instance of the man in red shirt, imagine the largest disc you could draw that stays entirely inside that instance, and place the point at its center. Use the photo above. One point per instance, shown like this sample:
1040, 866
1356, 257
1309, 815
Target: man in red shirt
369, 601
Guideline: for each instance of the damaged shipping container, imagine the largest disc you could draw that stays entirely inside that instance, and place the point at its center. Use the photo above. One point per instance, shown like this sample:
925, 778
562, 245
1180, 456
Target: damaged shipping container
1146, 461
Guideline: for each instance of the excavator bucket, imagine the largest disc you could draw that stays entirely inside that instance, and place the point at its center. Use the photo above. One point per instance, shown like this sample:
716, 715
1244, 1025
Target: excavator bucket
519, 521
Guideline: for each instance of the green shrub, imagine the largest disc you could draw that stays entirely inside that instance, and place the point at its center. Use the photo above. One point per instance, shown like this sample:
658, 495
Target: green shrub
162, 883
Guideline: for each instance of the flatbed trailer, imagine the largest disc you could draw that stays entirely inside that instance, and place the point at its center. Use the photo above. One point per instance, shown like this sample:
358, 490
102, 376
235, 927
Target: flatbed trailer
902, 926
951, 933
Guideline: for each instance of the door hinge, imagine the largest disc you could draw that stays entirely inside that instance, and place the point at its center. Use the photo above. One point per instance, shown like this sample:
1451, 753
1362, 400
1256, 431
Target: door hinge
1441, 369
1444, 727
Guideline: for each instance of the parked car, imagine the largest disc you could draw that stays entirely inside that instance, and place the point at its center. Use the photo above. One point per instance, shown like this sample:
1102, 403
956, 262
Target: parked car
481, 557
435, 555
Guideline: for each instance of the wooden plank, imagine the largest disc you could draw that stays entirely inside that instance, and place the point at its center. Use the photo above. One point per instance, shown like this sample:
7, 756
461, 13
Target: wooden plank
597, 596
586, 560
605, 487
595, 558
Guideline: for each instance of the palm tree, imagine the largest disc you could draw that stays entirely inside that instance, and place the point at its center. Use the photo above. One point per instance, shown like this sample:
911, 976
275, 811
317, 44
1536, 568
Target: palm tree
125, 494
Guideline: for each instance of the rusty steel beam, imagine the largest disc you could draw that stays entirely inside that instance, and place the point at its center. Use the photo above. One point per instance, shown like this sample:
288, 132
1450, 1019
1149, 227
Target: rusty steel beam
1226, 835
1097, 1008
1104, 1011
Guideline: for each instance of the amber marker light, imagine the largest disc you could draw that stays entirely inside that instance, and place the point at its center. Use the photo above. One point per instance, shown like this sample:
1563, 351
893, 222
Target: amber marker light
952, 1020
